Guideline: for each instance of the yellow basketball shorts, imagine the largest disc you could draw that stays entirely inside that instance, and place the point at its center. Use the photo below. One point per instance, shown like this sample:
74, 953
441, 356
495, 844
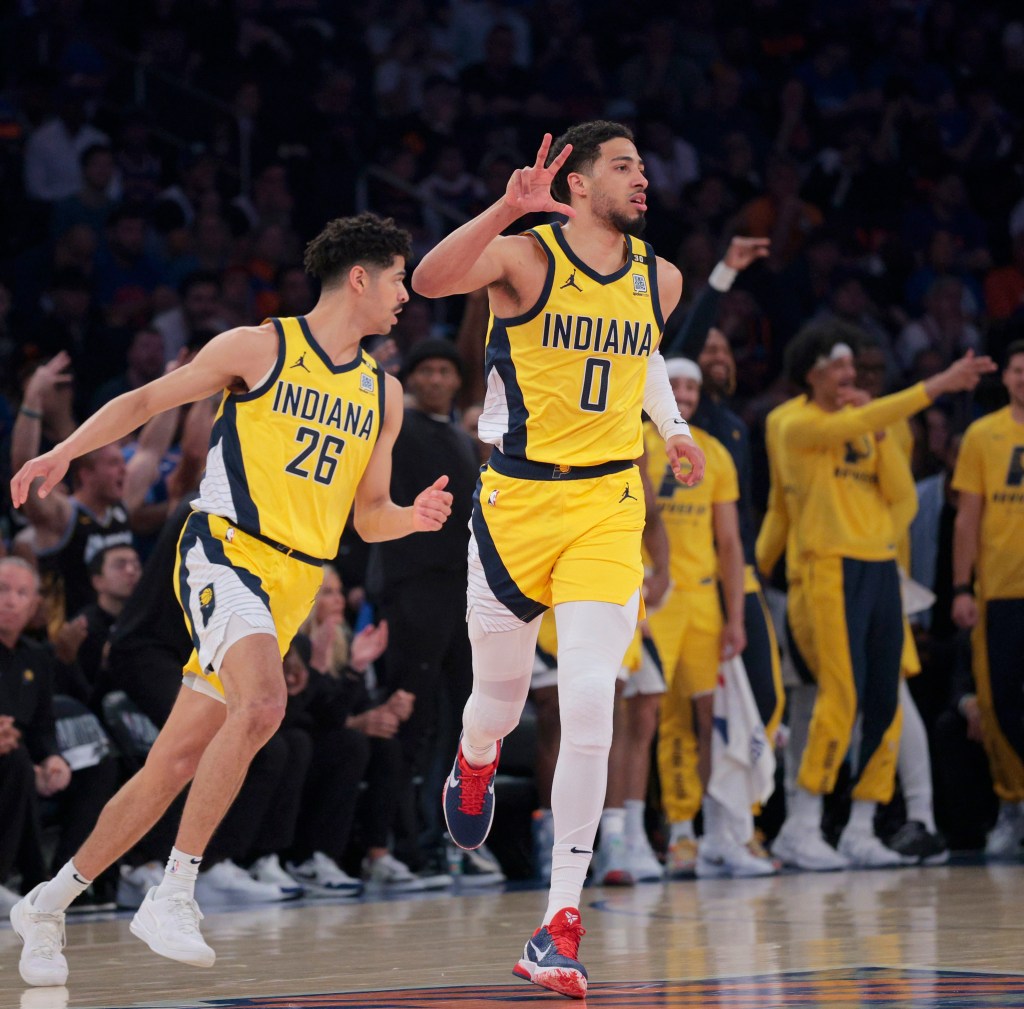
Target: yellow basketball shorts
544, 535
231, 584
688, 632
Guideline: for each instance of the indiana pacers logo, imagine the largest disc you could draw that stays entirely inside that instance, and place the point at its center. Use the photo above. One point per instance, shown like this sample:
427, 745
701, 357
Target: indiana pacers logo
207, 601
1015, 474
854, 453
571, 282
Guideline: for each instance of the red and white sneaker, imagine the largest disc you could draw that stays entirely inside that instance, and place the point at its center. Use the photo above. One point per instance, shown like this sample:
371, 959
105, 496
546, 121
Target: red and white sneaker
550, 956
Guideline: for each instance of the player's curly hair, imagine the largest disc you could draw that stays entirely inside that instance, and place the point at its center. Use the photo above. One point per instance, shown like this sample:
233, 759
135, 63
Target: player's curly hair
815, 341
586, 140
365, 239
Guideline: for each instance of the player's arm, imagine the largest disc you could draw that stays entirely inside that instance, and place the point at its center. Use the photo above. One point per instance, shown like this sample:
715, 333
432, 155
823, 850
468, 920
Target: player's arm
246, 353
896, 484
376, 516
729, 547
966, 537
476, 255
771, 539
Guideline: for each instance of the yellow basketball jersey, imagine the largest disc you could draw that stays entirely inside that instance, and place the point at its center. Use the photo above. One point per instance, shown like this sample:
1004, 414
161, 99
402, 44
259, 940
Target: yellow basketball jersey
565, 380
285, 457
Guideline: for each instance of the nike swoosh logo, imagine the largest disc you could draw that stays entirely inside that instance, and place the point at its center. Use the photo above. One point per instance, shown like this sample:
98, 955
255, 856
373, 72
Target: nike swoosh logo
453, 782
79, 879
538, 952
579, 851
196, 861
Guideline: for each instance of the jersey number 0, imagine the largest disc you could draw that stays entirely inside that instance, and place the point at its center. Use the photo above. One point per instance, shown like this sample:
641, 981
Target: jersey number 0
596, 374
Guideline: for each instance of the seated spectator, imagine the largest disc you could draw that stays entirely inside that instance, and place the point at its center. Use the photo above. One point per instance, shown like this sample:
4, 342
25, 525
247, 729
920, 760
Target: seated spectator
127, 277
92, 204
199, 309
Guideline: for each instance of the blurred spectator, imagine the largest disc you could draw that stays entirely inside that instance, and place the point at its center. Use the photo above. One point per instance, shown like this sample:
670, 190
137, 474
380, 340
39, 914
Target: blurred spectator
199, 309
943, 328
145, 361
127, 276
1004, 285
138, 166
92, 204
498, 86
669, 161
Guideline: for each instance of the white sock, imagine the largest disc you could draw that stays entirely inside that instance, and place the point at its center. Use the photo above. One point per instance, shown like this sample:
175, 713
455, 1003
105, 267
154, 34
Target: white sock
502, 669
592, 639
60, 891
862, 817
806, 808
681, 830
714, 818
613, 823
635, 831
180, 874
915, 766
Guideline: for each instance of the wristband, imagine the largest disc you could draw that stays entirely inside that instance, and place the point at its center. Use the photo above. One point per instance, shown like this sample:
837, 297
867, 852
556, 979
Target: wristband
965, 589
722, 277
30, 413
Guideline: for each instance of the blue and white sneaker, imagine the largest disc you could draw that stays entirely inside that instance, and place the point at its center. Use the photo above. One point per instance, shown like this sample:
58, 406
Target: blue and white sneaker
468, 801
550, 955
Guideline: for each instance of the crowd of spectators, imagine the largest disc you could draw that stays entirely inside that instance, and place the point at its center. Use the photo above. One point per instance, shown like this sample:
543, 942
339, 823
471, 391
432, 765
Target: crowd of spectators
162, 165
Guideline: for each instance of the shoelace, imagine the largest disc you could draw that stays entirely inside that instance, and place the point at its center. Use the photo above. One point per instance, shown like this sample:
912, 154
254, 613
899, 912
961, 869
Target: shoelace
47, 934
567, 937
474, 788
186, 914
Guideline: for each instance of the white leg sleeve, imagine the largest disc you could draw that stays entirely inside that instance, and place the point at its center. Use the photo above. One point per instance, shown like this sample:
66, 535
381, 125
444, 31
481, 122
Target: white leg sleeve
915, 766
502, 667
592, 640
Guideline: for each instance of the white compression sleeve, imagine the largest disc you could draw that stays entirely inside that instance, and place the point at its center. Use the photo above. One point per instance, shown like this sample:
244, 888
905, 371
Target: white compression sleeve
659, 402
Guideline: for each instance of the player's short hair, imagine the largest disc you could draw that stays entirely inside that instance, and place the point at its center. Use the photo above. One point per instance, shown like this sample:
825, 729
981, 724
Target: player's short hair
365, 240
1012, 350
816, 341
586, 140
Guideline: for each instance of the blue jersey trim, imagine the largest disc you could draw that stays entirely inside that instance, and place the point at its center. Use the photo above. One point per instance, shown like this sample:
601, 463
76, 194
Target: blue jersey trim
226, 430
336, 369
498, 578
549, 279
381, 385
652, 280
499, 358
243, 397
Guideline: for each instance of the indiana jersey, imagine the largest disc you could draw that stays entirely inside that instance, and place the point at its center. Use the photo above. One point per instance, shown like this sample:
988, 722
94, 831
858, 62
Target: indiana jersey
687, 512
565, 380
285, 458
991, 463
847, 485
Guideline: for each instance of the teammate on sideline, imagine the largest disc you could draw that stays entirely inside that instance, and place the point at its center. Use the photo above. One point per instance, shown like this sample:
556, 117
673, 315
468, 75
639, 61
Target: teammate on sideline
305, 428
572, 356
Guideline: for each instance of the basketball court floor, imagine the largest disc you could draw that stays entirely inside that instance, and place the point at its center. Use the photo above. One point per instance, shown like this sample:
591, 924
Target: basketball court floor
949, 936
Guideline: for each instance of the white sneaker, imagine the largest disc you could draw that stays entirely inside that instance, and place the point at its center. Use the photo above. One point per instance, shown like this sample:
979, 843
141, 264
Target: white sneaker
480, 868
863, 850
135, 883
1004, 839
611, 862
42, 963
227, 883
641, 861
268, 870
170, 926
389, 874
323, 877
720, 858
804, 847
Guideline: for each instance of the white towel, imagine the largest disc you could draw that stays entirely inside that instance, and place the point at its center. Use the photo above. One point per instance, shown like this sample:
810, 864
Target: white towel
742, 760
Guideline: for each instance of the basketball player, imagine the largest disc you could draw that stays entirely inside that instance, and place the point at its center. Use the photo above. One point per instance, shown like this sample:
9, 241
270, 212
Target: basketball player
305, 428
577, 312
988, 591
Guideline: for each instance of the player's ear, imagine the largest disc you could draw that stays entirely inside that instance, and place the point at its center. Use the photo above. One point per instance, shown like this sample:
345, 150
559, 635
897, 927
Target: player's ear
577, 183
358, 277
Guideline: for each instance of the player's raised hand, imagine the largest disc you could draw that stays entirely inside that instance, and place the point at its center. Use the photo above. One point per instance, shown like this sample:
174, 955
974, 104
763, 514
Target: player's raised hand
961, 376
432, 507
51, 466
744, 251
529, 189
682, 447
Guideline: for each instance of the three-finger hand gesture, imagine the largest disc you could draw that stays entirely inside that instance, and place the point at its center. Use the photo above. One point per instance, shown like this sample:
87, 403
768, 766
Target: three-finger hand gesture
529, 189
432, 507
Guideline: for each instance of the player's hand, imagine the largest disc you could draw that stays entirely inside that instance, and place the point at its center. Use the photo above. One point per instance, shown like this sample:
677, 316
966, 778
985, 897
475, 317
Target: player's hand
10, 735
69, 638
368, 645
432, 507
744, 251
680, 448
655, 586
964, 374
850, 395
971, 711
734, 640
965, 611
51, 466
529, 189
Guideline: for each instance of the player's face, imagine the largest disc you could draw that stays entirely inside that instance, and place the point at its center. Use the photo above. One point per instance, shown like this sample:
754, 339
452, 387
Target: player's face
828, 379
388, 295
717, 363
1013, 379
619, 187
18, 599
687, 394
871, 371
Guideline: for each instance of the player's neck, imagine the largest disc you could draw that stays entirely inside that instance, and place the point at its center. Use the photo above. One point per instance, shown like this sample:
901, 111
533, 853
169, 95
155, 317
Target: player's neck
599, 245
335, 327
1017, 411
824, 402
